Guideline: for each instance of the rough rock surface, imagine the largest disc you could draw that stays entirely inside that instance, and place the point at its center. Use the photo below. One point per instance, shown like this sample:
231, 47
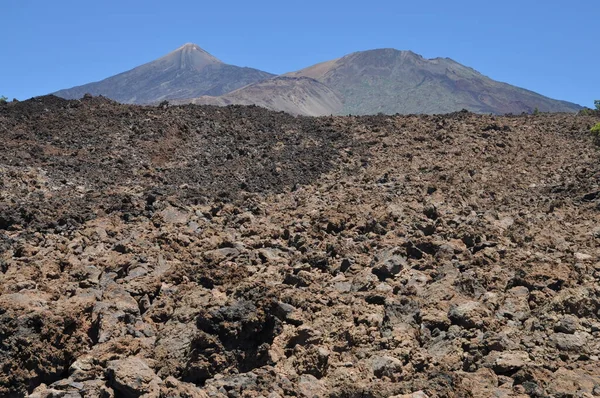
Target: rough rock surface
236, 252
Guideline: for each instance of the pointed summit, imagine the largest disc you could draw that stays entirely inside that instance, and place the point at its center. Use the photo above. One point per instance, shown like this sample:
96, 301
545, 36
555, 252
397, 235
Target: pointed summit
191, 47
186, 72
189, 56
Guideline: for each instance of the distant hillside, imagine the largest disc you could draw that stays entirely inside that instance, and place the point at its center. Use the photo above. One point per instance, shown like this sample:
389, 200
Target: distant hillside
392, 81
186, 72
368, 82
298, 96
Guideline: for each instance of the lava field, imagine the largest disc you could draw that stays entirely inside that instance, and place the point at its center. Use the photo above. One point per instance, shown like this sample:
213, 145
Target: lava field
198, 251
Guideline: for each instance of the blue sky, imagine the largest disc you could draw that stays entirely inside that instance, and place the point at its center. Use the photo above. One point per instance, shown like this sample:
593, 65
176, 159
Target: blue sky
551, 47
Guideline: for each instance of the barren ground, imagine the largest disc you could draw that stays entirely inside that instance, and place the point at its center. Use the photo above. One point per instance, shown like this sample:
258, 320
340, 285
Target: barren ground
202, 251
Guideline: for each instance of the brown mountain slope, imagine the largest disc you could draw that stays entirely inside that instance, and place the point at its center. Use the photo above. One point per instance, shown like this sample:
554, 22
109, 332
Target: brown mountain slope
297, 96
392, 81
186, 72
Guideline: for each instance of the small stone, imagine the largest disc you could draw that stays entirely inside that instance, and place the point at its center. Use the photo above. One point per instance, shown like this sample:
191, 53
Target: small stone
309, 386
132, 377
582, 256
434, 319
507, 362
172, 215
388, 263
287, 312
343, 287
572, 383
575, 343
313, 360
567, 324
220, 255
416, 394
386, 366
469, 315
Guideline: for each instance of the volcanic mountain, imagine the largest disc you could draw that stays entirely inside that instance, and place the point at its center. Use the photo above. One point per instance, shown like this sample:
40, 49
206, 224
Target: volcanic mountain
186, 72
393, 81
367, 82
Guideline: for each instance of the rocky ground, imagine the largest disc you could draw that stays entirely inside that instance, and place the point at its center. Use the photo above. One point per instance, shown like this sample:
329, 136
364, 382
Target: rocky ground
236, 252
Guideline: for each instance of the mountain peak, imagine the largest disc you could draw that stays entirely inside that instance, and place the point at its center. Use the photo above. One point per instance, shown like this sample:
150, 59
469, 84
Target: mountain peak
190, 56
186, 72
384, 55
191, 47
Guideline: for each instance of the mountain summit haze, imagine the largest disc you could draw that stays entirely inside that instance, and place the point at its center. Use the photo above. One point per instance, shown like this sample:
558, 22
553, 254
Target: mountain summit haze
366, 82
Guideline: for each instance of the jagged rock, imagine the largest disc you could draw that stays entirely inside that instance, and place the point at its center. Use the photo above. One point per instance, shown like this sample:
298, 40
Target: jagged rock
507, 362
567, 324
433, 318
68, 388
234, 385
416, 394
574, 343
172, 387
305, 335
301, 279
582, 256
172, 215
516, 304
310, 387
386, 366
220, 255
311, 360
81, 369
483, 383
132, 377
113, 315
283, 310
388, 263
573, 383
471, 314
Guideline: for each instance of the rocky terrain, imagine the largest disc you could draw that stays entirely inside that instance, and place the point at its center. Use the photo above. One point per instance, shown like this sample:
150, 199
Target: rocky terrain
198, 251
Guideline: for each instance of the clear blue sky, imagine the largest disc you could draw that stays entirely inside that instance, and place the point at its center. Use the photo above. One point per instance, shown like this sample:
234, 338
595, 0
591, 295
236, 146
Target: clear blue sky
552, 47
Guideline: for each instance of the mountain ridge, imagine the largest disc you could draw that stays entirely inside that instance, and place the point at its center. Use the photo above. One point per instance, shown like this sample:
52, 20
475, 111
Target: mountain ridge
382, 80
394, 81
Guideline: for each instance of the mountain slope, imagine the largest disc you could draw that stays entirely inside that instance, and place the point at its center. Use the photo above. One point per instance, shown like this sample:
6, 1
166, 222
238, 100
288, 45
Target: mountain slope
393, 81
298, 96
186, 72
